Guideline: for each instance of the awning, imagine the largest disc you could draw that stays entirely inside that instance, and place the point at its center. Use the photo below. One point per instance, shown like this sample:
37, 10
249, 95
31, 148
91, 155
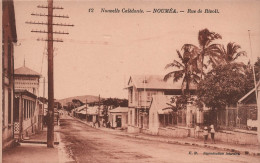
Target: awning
164, 111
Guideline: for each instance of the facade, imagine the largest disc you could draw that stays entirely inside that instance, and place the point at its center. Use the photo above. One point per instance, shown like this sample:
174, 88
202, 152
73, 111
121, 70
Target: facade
118, 117
26, 114
28, 108
92, 114
164, 121
9, 38
27, 79
141, 89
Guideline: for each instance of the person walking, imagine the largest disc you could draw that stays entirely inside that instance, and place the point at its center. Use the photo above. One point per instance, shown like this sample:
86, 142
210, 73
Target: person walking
205, 134
212, 133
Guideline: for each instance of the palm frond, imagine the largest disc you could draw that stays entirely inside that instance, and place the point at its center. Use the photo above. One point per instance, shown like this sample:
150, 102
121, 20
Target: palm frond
175, 74
179, 55
242, 53
174, 64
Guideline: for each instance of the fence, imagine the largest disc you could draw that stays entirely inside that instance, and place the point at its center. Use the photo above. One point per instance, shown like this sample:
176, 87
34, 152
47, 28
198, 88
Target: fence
241, 117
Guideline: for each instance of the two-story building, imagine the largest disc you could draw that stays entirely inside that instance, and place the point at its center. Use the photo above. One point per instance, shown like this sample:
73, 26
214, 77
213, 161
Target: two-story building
141, 88
29, 117
9, 38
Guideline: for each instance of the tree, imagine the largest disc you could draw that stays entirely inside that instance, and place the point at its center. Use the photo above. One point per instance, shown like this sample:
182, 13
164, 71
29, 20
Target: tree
223, 86
77, 102
220, 55
205, 38
186, 69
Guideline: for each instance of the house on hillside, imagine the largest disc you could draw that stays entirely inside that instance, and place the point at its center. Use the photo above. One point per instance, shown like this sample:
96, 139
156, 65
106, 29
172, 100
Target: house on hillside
141, 89
9, 38
118, 117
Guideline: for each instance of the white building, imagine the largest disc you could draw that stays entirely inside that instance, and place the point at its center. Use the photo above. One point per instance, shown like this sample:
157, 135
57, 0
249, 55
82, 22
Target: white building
27, 79
141, 88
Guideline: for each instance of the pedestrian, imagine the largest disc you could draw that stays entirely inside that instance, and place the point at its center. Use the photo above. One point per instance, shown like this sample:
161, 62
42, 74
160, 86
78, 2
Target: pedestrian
197, 130
205, 134
212, 133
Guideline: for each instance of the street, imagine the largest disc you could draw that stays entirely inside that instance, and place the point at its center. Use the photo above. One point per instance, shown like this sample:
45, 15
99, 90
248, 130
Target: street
87, 144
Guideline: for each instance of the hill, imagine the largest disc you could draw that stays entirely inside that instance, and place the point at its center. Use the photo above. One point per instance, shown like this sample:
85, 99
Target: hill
83, 98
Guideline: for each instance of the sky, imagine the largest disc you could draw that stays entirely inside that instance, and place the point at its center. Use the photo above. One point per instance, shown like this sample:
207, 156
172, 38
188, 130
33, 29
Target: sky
103, 50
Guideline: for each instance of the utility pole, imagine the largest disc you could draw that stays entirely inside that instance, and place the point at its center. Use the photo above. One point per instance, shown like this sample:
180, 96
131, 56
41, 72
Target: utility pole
50, 129
50, 40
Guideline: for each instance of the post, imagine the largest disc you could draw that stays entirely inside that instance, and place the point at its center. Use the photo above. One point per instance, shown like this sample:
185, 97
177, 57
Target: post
44, 87
86, 109
50, 129
258, 113
21, 116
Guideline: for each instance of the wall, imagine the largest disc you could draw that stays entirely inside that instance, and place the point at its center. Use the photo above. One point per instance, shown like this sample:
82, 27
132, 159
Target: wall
174, 132
7, 79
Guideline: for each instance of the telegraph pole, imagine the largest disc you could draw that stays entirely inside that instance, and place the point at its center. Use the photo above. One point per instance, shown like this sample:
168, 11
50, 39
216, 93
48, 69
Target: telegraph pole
50, 40
50, 129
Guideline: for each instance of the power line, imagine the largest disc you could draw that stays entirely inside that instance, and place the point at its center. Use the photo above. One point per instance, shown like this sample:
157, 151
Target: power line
50, 40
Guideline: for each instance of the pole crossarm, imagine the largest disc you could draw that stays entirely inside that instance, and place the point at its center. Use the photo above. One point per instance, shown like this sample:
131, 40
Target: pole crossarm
50, 40
44, 23
59, 16
54, 32
43, 6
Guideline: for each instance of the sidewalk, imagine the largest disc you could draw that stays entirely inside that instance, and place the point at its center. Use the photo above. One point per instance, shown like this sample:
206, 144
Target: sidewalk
34, 150
253, 150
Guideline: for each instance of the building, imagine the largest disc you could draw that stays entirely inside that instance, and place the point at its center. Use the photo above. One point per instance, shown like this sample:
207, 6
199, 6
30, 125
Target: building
9, 38
29, 110
92, 114
27, 79
118, 117
141, 88
166, 122
26, 114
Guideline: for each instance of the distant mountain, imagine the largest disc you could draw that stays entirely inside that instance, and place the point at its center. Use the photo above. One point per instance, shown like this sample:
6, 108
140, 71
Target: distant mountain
83, 98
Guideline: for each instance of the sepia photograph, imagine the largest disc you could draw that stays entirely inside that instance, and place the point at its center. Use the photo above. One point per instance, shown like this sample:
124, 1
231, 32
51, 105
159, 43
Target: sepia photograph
130, 81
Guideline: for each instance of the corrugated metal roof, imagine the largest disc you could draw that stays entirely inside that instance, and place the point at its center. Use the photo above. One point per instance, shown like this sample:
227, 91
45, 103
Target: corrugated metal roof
119, 110
155, 82
26, 71
92, 110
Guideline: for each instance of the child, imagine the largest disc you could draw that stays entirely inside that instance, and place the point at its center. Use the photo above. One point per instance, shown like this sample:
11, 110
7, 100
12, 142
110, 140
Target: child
212, 133
205, 134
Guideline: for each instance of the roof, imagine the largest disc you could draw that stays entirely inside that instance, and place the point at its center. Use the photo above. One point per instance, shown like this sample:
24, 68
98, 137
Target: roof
249, 93
119, 110
160, 103
26, 71
92, 110
154, 82
25, 92
78, 109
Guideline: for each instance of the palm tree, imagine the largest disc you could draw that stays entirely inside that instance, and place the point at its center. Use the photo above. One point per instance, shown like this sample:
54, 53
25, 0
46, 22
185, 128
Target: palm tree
220, 55
205, 38
186, 69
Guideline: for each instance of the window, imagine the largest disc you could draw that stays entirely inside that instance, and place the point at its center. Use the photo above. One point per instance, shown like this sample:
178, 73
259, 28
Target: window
135, 117
131, 95
9, 69
9, 106
130, 117
24, 109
